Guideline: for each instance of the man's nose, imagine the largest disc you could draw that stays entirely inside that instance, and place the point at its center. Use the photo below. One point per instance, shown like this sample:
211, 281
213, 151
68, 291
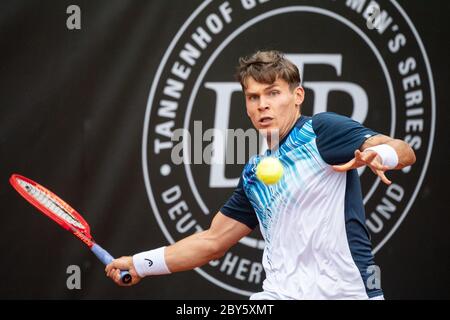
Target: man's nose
263, 104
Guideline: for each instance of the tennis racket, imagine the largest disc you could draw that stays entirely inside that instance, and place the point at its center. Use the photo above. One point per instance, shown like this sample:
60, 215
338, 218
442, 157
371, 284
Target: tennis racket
63, 214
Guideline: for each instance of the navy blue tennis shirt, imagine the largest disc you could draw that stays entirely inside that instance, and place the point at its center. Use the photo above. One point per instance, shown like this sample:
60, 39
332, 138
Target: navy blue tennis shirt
317, 245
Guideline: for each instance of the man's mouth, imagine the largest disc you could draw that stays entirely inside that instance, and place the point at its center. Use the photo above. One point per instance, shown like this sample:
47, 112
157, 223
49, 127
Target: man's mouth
265, 121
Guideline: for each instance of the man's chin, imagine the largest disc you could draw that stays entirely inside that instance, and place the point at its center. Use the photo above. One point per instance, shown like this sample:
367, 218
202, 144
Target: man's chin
269, 132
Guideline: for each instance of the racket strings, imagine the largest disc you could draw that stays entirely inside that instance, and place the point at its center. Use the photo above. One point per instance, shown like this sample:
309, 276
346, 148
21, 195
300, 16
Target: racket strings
51, 204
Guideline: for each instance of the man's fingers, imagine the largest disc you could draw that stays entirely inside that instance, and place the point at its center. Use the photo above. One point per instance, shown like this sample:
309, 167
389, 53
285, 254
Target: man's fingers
114, 269
378, 166
122, 263
114, 274
108, 269
383, 177
118, 280
345, 166
111, 272
117, 277
371, 159
375, 161
381, 174
368, 157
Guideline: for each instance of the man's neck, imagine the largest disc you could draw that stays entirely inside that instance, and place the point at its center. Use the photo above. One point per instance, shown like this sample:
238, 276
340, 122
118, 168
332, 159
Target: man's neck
273, 143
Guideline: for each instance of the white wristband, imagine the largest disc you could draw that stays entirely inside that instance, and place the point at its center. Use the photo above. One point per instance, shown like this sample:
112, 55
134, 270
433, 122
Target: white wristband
150, 263
387, 154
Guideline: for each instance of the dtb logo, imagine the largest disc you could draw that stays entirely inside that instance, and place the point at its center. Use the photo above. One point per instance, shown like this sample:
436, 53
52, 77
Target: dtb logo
378, 76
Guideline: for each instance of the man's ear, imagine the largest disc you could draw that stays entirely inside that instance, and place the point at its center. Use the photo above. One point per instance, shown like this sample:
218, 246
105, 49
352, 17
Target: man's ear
299, 93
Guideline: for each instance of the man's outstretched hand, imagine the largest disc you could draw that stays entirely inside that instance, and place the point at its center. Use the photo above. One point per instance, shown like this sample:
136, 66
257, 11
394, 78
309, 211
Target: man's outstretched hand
366, 158
124, 263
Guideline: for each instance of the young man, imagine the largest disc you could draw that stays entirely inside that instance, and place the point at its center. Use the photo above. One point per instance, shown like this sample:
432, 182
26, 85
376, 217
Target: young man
312, 221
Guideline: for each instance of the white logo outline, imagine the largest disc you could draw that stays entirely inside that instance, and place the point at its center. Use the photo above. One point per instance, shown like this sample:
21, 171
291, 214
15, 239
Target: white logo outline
147, 120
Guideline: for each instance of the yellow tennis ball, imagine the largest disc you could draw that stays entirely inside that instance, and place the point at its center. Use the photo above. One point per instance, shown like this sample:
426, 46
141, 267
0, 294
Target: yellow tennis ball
269, 170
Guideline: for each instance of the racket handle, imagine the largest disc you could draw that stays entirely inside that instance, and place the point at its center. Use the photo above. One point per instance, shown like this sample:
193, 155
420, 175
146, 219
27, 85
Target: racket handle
106, 258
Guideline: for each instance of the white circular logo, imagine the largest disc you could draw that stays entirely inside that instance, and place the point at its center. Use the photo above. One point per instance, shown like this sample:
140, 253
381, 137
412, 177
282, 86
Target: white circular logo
362, 61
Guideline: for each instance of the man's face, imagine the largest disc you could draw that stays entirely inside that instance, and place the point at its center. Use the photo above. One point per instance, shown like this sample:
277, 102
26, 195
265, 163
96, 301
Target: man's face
273, 107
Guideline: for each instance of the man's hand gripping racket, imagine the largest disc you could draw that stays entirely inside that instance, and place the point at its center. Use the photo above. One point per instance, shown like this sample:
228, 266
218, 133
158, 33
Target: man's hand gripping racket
63, 214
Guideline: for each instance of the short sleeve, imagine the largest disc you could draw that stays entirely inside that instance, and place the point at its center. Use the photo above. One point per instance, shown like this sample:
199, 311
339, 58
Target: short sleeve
239, 208
337, 136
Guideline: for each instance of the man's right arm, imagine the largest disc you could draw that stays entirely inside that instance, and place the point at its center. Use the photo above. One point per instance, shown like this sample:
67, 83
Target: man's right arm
193, 251
202, 247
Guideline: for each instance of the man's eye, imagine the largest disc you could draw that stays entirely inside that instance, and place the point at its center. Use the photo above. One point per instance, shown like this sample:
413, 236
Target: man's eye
252, 98
274, 92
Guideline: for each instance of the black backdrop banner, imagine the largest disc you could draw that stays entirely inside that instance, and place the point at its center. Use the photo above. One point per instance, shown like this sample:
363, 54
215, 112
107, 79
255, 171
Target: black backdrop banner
92, 93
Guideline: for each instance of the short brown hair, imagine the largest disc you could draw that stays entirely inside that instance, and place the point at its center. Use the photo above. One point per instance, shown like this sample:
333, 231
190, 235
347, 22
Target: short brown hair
266, 67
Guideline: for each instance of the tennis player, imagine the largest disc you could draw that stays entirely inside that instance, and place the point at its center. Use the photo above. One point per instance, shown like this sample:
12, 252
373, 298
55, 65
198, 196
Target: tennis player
313, 222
